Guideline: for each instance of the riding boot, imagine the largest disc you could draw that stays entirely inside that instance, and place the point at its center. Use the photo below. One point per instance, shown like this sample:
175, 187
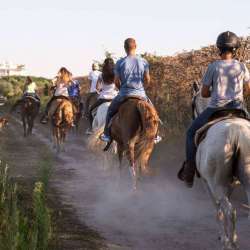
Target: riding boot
187, 173
44, 119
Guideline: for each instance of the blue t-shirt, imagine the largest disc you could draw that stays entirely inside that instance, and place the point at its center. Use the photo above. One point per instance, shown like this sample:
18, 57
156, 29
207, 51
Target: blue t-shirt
131, 70
74, 89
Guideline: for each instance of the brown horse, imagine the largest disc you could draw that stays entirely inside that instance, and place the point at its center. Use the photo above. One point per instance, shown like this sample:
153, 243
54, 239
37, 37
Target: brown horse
77, 108
29, 111
62, 118
134, 128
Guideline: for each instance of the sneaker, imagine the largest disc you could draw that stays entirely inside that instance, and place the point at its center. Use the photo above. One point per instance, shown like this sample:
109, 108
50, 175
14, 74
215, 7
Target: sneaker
105, 138
157, 139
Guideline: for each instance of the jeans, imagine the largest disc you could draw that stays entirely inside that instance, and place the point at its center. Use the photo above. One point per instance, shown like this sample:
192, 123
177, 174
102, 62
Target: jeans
199, 122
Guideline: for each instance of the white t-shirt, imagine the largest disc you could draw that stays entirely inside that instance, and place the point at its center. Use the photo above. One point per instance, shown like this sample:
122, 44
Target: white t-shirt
61, 89
31, 88
93, 77
108, 91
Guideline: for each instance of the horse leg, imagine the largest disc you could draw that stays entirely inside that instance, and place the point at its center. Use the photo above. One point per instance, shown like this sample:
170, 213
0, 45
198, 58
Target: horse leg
131, 157
63, 136
226, 216
120, 156
24, 126
58, 140
30, 125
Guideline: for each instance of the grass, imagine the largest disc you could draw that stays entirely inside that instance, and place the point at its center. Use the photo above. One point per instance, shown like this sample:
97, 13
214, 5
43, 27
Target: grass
17, 229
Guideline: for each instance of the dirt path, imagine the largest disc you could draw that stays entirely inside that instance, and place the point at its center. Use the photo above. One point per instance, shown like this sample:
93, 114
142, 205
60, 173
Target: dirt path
162, 215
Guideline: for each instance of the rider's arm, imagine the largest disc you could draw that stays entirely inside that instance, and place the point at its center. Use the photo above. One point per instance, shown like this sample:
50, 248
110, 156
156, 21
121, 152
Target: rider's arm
205, 91
146, 78
99, 85
207, 81
117, 82
246, 81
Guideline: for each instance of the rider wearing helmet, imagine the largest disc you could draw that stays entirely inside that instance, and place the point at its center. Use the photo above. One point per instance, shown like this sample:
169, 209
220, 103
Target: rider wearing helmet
223, 82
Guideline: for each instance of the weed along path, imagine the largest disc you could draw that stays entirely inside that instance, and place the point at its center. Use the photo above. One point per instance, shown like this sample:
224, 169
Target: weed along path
99, 213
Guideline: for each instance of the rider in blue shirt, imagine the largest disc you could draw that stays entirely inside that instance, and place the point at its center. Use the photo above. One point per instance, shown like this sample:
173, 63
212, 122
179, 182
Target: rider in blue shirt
131, 73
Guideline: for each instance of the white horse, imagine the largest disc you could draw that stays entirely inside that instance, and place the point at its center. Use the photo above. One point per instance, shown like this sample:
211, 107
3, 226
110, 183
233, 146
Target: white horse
225, 147
94, 142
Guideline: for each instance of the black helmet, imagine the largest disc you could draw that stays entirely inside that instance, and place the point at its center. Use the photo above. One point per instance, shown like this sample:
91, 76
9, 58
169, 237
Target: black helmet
228, 41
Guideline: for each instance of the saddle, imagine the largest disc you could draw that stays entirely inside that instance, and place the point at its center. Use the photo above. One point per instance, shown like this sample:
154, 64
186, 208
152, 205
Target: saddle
32, 98
218, 116
124, 101
55, 104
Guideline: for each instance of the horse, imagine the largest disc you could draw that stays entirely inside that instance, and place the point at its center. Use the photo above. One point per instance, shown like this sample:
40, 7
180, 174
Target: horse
222, 156
29, 111
134, 129
89, 100
77, 106
94, 143
62, 117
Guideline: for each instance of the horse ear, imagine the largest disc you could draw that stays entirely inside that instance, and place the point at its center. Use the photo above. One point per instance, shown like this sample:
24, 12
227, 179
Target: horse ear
196, 86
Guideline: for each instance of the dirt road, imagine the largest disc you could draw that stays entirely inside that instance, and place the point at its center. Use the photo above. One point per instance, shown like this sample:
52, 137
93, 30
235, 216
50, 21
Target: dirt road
162, 215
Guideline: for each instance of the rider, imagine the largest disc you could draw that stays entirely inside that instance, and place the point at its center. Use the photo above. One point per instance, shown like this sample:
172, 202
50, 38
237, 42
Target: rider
60, 84
30, 89
93, 78
74, 90
131, 73
223, 82
105, 86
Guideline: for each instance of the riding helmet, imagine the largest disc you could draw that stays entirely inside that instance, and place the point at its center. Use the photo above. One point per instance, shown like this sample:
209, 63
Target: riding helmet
228, 41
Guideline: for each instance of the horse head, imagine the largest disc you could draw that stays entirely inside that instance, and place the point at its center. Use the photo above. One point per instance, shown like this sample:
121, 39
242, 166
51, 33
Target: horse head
199, 103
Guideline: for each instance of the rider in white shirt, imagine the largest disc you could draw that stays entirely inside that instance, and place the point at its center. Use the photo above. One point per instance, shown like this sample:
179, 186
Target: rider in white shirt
105, 86
30, 89
93, 93
60, 84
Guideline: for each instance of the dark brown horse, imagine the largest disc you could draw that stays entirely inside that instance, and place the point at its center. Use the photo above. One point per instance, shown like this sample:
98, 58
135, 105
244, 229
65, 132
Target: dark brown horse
29, 111
134, 128
77, 108
62, 117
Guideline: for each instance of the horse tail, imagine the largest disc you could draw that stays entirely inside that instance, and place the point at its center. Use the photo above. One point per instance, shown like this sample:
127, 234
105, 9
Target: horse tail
149, 128
63, 114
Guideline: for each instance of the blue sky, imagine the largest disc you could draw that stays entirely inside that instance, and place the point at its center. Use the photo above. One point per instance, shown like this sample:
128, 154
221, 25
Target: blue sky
48, 34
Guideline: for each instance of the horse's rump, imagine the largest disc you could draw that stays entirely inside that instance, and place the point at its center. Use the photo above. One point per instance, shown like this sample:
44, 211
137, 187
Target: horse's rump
136, 125
62, 112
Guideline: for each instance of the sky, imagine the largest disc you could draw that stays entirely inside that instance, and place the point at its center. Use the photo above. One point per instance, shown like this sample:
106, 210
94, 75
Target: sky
47, 34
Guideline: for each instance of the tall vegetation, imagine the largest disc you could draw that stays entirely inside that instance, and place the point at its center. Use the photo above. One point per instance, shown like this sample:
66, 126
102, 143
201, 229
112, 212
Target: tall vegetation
19, 230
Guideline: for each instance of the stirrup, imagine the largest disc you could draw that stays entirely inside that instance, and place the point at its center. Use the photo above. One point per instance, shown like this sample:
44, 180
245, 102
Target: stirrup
105, 138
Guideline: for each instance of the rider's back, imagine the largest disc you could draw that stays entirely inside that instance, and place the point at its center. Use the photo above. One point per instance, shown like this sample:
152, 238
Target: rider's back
226, 77
61, 89
131, 70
